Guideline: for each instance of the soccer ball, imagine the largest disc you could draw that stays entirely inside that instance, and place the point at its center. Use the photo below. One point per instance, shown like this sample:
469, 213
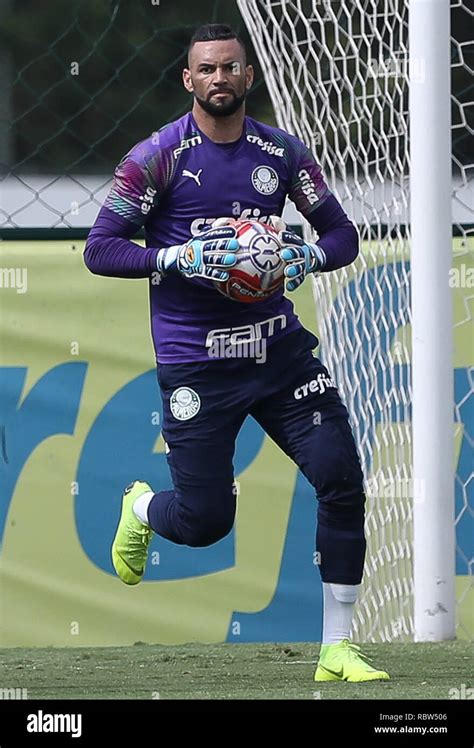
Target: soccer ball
259, 271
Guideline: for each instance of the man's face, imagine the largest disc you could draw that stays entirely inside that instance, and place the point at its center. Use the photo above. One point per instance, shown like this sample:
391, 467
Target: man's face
218, 76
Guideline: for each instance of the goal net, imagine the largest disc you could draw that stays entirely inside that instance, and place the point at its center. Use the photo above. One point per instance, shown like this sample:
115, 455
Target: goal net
338, 77
81, 87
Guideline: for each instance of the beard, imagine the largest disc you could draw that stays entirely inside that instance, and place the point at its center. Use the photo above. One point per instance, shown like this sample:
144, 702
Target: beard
224, 109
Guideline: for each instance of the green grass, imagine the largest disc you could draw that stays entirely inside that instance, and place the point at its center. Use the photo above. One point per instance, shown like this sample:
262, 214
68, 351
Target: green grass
230, 671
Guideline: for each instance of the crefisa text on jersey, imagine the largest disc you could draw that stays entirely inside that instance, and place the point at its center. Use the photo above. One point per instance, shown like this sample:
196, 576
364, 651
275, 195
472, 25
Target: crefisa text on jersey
266, 145
148, 199
203, 224
308, 187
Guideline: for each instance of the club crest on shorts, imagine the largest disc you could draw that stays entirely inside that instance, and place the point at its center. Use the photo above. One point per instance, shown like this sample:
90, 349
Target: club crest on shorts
265, 180
184, 403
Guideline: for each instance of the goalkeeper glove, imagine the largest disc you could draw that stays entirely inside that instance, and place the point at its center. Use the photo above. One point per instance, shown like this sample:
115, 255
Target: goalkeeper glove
300, 257
205, 256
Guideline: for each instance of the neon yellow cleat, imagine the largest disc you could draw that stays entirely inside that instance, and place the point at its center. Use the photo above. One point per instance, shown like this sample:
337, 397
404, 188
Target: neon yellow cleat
132, 538
344, 661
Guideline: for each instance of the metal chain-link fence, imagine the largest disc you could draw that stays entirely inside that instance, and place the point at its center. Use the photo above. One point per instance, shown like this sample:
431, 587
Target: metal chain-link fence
82, 82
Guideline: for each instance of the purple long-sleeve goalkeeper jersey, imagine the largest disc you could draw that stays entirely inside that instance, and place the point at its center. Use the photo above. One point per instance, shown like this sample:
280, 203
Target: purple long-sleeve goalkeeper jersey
174, 184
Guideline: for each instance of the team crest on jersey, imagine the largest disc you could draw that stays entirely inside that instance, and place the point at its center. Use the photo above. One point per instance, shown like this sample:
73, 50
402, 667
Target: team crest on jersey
265, 180
185, 403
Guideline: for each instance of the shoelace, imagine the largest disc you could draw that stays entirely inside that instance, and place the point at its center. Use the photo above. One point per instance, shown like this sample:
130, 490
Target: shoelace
137, 539
356, 654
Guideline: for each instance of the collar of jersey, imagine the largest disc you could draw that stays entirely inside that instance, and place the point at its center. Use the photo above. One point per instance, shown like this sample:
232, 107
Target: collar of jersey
230, 148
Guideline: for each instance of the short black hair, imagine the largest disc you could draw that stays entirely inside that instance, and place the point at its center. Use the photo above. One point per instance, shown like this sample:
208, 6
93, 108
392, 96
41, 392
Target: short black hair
215, 32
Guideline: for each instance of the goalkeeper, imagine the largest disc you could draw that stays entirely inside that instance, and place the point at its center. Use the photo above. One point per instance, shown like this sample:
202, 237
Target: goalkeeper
211, 163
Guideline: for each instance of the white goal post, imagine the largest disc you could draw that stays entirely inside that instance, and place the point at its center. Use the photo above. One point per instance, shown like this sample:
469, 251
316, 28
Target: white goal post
366, 84
432, 320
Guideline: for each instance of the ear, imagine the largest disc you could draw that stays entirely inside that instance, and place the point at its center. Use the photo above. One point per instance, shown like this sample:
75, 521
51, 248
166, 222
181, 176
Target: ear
187, 80
249, 75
